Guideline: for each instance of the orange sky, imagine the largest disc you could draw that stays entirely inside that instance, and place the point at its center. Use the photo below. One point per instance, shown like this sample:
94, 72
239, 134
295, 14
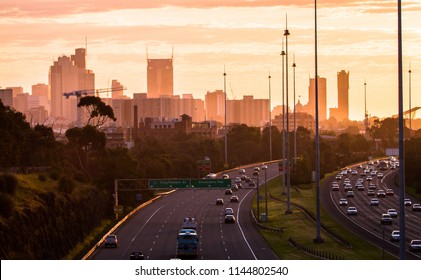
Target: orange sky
245, 36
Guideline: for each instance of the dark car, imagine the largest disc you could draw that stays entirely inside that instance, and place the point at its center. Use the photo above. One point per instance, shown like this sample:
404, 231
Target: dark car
219, 201
228, 191
229, 219
111, 241
386, 219
234, 198
137, 256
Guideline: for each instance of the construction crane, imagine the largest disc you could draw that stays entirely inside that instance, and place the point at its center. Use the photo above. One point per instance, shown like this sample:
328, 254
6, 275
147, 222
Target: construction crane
79, 93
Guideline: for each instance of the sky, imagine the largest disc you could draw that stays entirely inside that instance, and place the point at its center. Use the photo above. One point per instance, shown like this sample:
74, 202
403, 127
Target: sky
205, 36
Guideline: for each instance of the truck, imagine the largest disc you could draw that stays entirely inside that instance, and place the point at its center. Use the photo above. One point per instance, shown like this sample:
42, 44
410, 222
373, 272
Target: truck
189, 223
187, 243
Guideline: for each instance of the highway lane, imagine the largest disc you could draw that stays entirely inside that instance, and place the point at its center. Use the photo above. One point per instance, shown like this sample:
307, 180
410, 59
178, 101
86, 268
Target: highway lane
367, 222
153, 230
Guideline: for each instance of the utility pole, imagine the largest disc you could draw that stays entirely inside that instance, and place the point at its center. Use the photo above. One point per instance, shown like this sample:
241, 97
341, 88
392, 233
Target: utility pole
283, 120
288, 211
225, 117
270, 120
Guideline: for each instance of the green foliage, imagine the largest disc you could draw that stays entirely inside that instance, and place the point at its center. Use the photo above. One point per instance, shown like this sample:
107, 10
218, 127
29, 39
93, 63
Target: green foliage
7, 206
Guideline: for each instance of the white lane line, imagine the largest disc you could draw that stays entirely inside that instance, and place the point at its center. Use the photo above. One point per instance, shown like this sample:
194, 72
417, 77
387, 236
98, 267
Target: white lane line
239, 225
141, 230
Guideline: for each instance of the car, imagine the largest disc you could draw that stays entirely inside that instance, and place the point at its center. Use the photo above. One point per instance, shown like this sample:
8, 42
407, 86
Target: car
369, 178
352, 210
415, 245
234, 198
374, 201
229, 219
264, 167
211, 176
335, 188
349, 194
343, 202
392, 212
255, 173
229, 211
354, 172
386, 219
219, 201
137, 256
242, 171
394, 236
360, 188
257, 169
407, 202
237, 180
338, 177
228, 192
390, 192
372, 186
416, 207
347, 187
225, 176
243, 177
111, 241
381, 193
380, 175
234, 187
371, 193
252, 183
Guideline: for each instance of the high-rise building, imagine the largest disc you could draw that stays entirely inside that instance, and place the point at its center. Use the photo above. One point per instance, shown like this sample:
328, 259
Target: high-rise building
215, 105
160, 77
343, 96
40, 90
68, 74
6, 97
310, 106
118, 93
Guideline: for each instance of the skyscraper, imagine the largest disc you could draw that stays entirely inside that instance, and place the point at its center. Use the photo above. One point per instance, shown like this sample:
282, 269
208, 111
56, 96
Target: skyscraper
310, 106
68, 74
160, 77
343, 95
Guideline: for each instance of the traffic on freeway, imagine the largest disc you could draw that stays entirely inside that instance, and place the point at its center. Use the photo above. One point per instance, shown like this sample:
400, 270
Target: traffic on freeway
212, 224
365, 199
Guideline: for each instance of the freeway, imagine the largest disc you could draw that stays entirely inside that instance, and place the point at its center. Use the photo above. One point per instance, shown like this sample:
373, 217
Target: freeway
153, 230
367, 223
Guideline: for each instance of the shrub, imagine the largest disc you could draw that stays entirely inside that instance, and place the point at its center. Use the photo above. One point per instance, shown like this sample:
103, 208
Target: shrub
7, 206
9, 184
42, 177
54, 175
66, 185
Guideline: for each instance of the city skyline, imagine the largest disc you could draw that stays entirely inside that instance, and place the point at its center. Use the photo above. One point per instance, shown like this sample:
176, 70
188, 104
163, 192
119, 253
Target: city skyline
245, 36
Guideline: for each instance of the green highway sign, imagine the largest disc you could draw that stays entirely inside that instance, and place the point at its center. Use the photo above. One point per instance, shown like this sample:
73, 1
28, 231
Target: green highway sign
169, 184
211, 183
190, 184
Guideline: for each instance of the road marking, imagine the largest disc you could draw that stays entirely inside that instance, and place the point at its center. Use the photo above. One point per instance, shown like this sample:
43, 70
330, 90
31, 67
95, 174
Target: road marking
239, 225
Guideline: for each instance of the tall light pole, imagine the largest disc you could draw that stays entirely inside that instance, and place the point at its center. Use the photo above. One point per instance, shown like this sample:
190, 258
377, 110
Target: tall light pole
270, 120
365, 110
264, 167
283, 119
402, 249
225, 122
295, 119
318, 238
288, 211
410, 106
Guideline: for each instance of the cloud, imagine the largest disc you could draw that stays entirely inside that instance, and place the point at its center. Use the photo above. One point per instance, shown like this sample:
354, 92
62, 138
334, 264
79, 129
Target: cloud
55, 8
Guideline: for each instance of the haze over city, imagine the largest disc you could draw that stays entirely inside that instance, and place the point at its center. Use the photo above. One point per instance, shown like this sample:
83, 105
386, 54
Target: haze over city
204, 36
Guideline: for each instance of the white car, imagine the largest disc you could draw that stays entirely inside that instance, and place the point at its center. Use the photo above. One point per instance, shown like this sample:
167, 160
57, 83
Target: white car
392, 212
379, 175
229, 211
242, 171
374, 201
394, 236
415, 245
407, 202
352, 210
343, 202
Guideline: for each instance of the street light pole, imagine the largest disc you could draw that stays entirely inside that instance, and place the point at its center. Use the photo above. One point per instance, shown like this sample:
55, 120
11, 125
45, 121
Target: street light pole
402, 249
266, 191
318, 238
295, 120
410, 106
270, 121
225, 117
288, 211
283, 121
365, 110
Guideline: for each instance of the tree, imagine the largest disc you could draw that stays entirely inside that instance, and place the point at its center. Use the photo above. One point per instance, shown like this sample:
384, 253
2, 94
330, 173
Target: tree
97, 110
